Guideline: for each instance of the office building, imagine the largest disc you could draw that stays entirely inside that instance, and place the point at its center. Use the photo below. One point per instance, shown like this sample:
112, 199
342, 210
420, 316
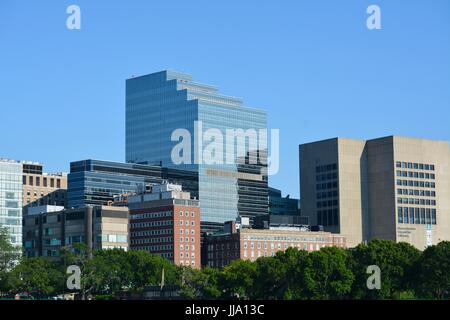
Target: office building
161, 104
393, 188
98, 227
236, 242
279, 205
40, 188
96, 182
166, 221
11, 199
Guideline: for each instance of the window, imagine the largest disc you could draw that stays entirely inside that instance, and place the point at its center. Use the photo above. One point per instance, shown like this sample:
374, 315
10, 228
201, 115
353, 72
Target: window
400, 215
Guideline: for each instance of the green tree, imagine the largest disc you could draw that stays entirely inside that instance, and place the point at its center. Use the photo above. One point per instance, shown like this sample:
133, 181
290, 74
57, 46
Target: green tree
38, 276
432, 272
327, 275
147, 270
294, 262
395, 261
236, 279
79, 254
270, 276
211, 289
109, 272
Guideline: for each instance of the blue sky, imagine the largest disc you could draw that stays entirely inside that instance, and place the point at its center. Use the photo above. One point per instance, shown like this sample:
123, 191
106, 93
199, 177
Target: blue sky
313, 65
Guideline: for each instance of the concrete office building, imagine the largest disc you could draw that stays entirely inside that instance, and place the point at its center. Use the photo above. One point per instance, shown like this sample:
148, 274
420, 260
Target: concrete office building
158, 104
11, 199
99, 227
392, 188
166, 221
236, 242
40, 188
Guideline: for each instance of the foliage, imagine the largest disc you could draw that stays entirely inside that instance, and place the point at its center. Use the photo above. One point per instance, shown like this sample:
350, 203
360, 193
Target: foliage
330, 273
432, 272
396, 262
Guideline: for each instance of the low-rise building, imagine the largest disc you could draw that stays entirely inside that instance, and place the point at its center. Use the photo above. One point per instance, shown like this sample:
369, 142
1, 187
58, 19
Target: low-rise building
99, 227
40, 188
166, 221
236, 242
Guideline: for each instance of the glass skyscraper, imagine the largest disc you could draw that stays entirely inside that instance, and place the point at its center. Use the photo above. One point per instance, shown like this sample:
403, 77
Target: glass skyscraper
160, 103
95, 182
11, 199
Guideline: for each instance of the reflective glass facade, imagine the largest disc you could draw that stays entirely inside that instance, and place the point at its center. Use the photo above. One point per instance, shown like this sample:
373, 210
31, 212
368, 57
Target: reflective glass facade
11, 199
160, 103
96, 182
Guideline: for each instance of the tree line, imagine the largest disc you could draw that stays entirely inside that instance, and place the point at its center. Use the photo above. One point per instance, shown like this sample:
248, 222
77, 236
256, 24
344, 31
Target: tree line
330, 273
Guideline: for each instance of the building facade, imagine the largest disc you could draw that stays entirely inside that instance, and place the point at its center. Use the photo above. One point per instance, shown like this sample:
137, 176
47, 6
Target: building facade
98, 227
392, 188
40, 188
279, 205
250, 244
166, 221
11, 199
162, 104
96, 182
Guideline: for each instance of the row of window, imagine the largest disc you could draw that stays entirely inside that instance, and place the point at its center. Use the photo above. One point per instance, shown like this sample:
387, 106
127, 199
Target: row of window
152, 240
187, 231
152, 232
329, 185
412, 192
422, 202
151, 224
329, 203
416, 166
327, 176
187, 214
148, 215
186, 223
329, 194
413, 183
187, 255
186, 263
31, 181
420, 175
186, 239
186, 247
112, 238
150, 248
416, 215
327, 167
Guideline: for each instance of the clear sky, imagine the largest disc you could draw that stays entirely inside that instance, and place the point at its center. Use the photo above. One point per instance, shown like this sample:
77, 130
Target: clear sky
312, 64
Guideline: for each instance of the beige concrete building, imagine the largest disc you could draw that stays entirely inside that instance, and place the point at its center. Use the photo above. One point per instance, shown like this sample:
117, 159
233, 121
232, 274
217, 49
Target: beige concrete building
393, 188
40, 188
99, 227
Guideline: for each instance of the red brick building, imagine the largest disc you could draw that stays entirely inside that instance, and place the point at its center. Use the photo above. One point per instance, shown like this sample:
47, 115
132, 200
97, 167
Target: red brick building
166, 222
